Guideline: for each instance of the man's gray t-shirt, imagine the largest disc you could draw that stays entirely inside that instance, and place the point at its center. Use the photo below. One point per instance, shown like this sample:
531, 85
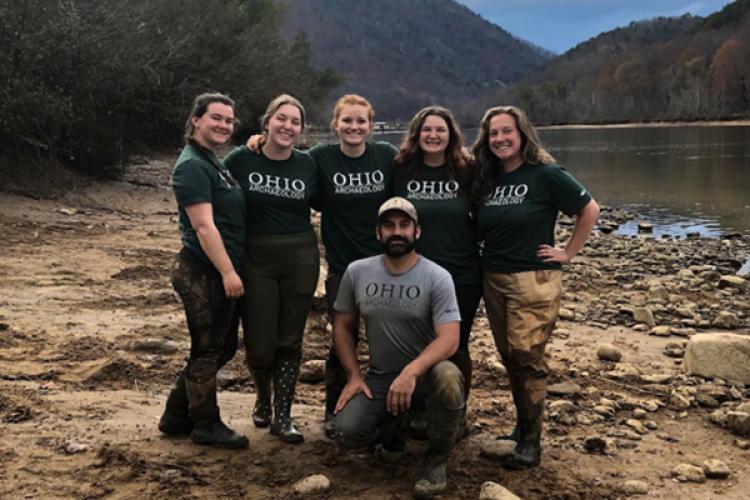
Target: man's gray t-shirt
400, 310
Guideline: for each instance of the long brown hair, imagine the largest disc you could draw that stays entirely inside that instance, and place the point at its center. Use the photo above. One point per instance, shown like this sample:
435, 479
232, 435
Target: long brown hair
410, 154
532, 151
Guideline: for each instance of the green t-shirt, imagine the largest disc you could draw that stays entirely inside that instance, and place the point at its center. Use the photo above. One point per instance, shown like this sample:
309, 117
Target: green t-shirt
199, 177
277, 193
352, 190
521, 212
449, 234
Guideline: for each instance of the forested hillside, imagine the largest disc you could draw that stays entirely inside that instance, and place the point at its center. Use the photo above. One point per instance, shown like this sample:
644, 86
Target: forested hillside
88, 81
404, 54
683, 68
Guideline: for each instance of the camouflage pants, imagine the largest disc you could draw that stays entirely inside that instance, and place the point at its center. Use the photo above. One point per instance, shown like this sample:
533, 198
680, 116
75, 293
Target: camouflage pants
209, 316
522, 309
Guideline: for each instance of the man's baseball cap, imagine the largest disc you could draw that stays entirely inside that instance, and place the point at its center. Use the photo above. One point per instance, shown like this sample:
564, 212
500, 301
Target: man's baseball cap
400, 204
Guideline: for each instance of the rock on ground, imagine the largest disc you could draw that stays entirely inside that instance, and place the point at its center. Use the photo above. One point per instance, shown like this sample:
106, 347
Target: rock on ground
634, 487
687, 472
497, 448
313, 371
608, 352
494, 491
716, 469
312, 485
724, 355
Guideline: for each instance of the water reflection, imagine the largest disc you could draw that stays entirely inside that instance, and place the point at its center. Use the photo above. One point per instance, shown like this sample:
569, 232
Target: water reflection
681, 179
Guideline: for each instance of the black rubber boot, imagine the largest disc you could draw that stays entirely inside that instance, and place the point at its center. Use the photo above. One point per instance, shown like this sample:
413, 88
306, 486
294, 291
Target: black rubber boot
528, 452
418, 426
262, 409
442, 429
284, 384
208, 428
176, 421
517, 391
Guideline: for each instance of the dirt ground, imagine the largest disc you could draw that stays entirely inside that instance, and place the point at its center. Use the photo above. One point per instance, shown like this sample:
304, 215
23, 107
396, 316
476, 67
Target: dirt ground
92, 336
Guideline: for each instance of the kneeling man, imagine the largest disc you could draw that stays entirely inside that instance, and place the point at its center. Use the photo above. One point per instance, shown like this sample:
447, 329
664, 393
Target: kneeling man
412, 324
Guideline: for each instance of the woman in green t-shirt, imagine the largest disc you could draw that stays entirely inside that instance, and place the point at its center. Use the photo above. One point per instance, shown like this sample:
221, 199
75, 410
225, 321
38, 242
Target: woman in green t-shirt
211, 217
431, 171
519, 191
281, 262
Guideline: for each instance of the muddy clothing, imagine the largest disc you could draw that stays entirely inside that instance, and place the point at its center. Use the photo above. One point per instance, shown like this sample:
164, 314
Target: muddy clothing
400, 310
449, 236
520, 214
365, 421
278, 194
352, 189
199, 177
522, 309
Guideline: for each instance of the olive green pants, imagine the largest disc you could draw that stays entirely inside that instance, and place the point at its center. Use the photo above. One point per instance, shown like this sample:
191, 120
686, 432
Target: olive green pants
280, 274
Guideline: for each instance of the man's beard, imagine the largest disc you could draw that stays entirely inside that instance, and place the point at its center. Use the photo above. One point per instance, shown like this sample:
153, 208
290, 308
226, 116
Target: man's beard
397, 246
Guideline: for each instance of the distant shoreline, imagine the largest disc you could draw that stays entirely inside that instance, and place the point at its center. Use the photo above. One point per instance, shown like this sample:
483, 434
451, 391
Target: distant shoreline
707, 123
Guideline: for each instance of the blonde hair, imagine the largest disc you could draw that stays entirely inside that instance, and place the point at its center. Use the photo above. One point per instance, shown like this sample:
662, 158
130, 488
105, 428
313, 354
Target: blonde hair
351, 100
274, 106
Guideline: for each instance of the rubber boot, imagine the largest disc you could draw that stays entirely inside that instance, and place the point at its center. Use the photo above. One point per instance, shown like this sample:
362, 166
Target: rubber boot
392, 448
515, 435
284, 383
176, 421
418, 426
442, 429
208, 428
528, 452
262, 409
335, 382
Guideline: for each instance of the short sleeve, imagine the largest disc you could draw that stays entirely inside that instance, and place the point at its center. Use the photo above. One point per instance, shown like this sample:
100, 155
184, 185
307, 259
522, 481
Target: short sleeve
191, 183
566, 193
444, 303
345, 298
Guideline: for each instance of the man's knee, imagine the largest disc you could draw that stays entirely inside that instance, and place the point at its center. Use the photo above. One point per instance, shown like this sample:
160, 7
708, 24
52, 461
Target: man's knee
349, 432
447, 385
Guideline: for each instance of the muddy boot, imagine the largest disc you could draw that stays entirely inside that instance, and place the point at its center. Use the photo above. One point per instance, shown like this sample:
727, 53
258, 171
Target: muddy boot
335, 382
515, 435
176, 418
442, 429
284, 383
262, 409
418, 426
208, 428
529, 449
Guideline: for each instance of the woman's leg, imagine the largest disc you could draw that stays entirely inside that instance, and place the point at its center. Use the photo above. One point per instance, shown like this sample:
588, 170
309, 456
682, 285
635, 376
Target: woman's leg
209, 315
296, 290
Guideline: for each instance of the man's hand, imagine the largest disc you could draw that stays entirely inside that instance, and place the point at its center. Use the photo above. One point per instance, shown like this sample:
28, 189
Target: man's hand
400, 393
353, 387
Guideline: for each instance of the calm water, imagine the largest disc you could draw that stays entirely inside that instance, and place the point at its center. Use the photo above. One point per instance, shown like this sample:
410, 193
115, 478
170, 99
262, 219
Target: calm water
681, 179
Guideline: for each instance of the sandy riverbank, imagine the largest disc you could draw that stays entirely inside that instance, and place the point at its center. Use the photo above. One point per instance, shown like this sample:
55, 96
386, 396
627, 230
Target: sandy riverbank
91, 336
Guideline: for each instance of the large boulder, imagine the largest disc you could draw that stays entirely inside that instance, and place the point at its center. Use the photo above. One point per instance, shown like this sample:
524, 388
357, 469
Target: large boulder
723, 355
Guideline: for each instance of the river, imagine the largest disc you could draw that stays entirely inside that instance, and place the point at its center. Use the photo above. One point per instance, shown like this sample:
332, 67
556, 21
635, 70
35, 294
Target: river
682, 179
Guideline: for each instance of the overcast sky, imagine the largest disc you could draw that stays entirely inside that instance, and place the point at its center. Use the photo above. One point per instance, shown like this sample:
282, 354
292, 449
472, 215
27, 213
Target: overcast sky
559, 25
